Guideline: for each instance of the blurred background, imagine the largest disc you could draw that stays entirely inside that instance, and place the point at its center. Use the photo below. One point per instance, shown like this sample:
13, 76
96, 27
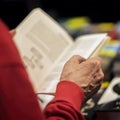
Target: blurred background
80, 17
13, 11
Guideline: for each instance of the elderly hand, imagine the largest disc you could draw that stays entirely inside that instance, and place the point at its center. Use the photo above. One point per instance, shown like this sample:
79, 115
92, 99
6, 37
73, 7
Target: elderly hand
85, 73
13, 32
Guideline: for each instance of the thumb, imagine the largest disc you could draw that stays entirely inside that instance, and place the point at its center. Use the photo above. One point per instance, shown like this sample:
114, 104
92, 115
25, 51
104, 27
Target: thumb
77, 59
13, 32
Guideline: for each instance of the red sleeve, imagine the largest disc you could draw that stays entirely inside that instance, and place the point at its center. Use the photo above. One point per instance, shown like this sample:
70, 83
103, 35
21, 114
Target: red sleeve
18, 100
66, 104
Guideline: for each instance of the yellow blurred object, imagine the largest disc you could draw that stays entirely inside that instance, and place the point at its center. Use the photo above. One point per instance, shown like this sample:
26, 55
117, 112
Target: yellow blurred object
105, 84
106, 26
109, 53
110, 48
77, 22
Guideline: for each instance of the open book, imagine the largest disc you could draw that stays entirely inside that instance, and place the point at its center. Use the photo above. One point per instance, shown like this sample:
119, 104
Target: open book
45, 47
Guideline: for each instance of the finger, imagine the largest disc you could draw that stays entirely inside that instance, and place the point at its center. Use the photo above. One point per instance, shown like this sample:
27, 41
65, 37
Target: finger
99, 75
96, 59
98, 78
77, 59
92, 92
13, 32
95, 64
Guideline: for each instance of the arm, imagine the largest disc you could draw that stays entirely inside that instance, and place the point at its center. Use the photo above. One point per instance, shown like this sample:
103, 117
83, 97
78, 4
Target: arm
18, 99
66, 104
80, 80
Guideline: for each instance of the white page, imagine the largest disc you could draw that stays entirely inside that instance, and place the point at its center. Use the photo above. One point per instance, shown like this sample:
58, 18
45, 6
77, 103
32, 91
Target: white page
45, 47
84, 46
41, 43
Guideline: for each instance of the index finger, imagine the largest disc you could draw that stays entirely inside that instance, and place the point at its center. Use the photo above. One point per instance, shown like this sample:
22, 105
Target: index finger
94, 63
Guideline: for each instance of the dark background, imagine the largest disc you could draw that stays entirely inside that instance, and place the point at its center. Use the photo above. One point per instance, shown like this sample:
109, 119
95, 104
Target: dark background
13, 11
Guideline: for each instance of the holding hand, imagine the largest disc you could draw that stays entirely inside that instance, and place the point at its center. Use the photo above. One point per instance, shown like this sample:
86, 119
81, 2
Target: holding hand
85, 73
13, 32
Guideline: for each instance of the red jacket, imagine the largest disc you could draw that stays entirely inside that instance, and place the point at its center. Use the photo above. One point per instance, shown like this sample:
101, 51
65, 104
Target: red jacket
18, 100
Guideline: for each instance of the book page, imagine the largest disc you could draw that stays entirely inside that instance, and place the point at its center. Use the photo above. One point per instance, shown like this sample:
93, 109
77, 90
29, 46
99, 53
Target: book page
42, 42
89, 45
85, 46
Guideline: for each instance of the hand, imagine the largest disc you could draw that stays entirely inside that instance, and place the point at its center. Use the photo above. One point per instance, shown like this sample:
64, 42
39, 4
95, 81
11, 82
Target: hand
85, 73
13, 32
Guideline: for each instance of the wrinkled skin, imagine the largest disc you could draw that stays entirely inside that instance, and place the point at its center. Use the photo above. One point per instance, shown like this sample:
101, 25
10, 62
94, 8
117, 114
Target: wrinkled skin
85, 73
